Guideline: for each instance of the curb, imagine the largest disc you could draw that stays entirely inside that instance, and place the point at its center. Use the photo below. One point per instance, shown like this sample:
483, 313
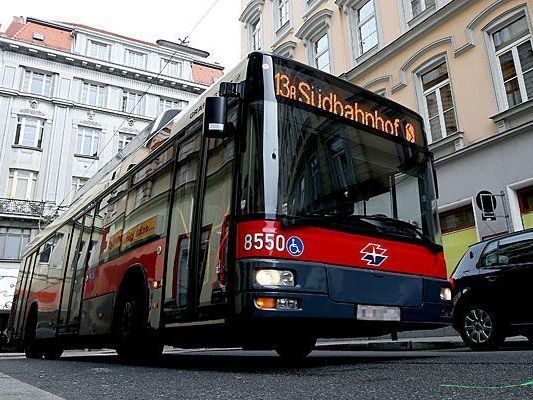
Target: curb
405, 345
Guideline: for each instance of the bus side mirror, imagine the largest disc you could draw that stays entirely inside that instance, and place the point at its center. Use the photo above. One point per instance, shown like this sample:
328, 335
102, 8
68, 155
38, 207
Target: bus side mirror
215, 118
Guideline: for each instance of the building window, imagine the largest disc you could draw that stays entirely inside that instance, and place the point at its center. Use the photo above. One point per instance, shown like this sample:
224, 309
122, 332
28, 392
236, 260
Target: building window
21, 184
254, 30
525, 198
132, 103
283, 9
123, 140
438, 102
168, 104
367, 27
458, 219
87, 141
321, 53
93, 94
97, 50
13, 241
37, 83
135, 59
77, 183
419, 6
514, 54
171, 68
29, 132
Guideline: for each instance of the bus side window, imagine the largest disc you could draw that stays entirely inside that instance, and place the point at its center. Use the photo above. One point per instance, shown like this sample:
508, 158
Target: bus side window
108, 227
147, 203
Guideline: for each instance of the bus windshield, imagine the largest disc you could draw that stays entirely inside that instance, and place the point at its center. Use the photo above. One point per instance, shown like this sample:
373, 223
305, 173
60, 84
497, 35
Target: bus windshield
314, 165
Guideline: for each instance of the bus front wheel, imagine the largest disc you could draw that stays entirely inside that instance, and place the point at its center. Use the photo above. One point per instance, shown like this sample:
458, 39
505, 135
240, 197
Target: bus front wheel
295, 350
134, 344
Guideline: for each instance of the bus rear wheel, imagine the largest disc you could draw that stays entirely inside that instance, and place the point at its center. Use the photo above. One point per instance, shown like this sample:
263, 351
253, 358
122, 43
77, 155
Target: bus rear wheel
295, 350
32, 348
134, 344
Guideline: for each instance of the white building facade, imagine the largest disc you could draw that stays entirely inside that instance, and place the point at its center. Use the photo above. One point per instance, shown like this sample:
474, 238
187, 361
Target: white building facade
71, 97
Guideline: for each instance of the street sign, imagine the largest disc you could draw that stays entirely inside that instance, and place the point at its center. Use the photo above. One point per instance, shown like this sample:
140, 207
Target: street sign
486, 202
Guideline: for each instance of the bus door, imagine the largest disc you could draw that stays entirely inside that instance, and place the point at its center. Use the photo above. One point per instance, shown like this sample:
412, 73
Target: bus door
75, 274
212, 271
21, 302
180, 247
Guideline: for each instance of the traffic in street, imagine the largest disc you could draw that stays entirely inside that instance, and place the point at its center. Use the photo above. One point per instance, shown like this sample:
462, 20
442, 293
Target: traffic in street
233, 374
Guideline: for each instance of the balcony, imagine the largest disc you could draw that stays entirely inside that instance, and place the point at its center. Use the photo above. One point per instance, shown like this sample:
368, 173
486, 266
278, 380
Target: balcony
25, 208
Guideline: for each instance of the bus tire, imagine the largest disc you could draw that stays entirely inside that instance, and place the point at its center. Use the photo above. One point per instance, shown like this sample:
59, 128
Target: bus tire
295, 350
32, 348
54, 352
134, 343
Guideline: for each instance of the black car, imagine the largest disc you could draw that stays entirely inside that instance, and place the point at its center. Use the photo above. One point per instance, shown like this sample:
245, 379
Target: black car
493, 291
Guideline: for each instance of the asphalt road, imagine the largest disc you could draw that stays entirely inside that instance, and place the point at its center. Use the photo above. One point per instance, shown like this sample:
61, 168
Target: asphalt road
233, 374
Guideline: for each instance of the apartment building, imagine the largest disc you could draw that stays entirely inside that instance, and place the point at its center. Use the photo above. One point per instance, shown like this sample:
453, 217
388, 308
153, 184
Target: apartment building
465, 65
71, 97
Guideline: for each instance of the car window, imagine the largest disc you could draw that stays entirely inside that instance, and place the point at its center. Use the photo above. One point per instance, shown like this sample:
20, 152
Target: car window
490, 255
516, 249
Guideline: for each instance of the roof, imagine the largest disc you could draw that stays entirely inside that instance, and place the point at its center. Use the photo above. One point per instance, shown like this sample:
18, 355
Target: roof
204, 74
92, 28
52, 37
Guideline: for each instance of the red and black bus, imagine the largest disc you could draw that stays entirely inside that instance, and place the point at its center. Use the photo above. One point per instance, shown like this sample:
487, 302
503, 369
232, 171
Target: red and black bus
283, 206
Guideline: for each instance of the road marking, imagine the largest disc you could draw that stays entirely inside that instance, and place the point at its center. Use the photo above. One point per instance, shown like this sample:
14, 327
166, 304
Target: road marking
13, 389
528, 383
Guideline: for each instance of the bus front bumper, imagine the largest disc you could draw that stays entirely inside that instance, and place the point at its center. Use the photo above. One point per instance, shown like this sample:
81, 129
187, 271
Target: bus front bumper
326, 298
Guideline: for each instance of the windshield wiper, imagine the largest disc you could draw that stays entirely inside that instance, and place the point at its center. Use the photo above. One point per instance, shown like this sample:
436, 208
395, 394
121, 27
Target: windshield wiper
325, 220
397, 223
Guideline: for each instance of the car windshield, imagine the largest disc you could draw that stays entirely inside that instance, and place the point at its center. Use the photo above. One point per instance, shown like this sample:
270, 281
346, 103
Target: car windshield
318, 167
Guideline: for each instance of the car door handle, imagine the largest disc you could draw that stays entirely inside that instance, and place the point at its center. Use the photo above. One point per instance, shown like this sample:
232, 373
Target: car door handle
491, 278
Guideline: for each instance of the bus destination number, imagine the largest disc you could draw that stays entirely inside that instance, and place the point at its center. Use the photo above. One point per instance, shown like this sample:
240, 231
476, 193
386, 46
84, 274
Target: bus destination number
271, 241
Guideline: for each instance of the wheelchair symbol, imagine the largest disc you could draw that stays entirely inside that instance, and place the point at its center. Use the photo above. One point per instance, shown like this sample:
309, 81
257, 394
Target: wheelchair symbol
295, 246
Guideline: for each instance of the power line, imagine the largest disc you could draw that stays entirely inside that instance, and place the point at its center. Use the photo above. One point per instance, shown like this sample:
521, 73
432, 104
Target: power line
130, 113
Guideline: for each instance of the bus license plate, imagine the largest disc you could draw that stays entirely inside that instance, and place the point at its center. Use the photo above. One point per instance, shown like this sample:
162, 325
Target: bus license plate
377, 313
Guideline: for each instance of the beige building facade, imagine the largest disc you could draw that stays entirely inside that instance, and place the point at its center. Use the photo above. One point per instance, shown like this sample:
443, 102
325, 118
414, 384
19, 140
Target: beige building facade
465, 65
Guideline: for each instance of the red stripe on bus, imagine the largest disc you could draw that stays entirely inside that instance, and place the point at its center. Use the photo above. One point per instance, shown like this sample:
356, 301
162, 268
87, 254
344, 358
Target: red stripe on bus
337, 248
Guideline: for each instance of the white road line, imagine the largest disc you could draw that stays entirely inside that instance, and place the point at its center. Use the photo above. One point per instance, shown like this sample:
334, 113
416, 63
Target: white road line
13, 389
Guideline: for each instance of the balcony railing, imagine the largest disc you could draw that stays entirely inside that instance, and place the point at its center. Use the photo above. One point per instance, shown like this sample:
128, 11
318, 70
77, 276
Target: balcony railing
21, 207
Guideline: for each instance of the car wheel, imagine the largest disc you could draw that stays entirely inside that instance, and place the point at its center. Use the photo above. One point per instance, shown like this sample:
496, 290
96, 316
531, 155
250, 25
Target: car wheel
480, 328
54, 352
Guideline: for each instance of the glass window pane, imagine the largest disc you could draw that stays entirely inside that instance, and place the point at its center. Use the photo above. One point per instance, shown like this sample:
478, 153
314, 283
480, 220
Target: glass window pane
322, 44
435, 76
12, 250
21, 188
30, 132
446, 97
507, 66
366, 11
369, 42
37, 84
528, 80
513, 92
510, 33
434, 127
368, 28
431, 101
450, 122
525, 53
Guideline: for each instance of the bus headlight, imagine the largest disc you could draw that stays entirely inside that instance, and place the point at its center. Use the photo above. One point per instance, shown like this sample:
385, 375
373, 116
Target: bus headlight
274, 277
446, 294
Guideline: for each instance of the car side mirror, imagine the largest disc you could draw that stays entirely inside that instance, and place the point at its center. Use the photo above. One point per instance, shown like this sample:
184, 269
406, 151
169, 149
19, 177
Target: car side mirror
215, 118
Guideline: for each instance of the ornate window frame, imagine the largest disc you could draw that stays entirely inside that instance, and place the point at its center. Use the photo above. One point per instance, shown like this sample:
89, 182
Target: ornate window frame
488, 31
251, 14
312, 30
